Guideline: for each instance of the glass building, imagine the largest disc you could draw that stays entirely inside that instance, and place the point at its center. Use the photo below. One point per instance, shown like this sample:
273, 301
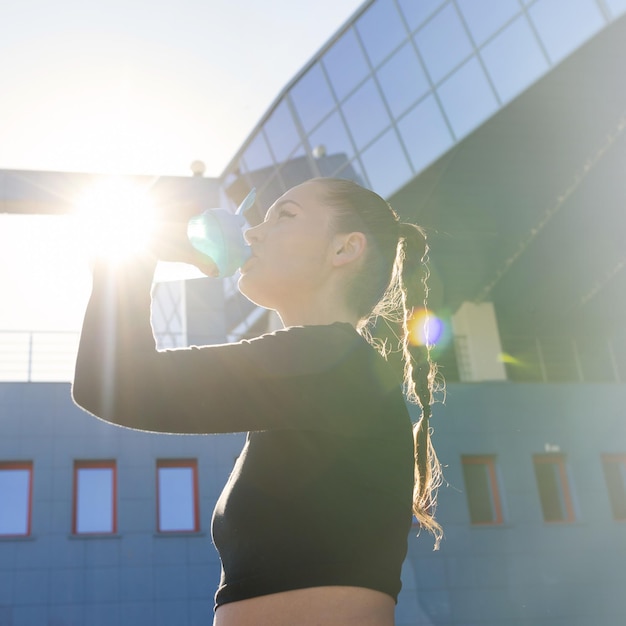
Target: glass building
418, 99
404, 81
499, 125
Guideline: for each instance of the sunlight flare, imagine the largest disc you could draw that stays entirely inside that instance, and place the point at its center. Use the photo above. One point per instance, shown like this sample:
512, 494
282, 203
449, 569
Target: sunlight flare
425, 328
116, 218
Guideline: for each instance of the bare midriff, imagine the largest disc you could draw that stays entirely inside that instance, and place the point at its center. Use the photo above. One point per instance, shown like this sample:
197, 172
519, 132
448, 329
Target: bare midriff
315, 606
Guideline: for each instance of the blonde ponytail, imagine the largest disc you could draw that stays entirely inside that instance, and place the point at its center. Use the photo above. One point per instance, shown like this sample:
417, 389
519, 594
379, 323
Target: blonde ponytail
392, 285
419, 372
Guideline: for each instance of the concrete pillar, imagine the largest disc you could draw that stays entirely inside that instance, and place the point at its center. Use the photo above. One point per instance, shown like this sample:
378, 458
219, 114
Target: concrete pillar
477, 343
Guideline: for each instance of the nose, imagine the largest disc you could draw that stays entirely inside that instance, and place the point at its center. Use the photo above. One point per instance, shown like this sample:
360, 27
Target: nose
253, 235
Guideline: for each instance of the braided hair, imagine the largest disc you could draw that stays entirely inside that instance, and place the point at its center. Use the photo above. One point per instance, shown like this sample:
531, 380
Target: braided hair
390, 285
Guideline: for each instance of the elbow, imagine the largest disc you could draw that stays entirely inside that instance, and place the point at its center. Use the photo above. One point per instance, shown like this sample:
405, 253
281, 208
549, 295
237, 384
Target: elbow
95, 400
110, 403
94, 391
86, 396
91, 393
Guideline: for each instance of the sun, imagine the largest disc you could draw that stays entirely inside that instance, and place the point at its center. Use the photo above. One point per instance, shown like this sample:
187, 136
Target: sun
115, 218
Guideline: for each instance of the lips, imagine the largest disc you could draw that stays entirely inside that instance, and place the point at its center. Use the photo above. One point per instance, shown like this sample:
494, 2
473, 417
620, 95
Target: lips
244, 268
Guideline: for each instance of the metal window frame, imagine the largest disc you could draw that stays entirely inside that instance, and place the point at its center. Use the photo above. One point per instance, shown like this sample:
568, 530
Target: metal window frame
86, 464
28, 466
493, 484
179, 463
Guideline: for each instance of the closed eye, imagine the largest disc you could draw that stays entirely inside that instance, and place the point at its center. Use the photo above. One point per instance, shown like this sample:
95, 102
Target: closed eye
280, 210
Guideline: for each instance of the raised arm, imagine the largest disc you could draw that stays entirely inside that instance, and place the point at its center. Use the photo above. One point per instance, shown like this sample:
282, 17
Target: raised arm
270, 382
122, 378
117, 345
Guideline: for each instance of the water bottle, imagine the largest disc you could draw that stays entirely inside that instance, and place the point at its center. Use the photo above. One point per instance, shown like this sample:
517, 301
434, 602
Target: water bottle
218, 234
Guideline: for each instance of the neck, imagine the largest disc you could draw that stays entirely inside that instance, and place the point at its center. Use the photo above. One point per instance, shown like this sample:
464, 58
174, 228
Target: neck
317, 312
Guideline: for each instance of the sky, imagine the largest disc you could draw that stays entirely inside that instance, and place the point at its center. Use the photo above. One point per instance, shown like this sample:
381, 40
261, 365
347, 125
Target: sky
130, 87
146, 87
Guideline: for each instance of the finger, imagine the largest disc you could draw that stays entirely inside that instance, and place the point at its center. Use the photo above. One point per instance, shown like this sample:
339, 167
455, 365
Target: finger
205, 265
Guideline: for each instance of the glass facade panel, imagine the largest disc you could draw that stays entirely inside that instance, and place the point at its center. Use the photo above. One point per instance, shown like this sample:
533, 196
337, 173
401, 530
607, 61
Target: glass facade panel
381, 17
353, 171
615, 475
298, 153
481, 489
485, 17
312, 97
332, 138
616, 7
443, 43
329, 166
345, 64
365, 113
281, 132
425, 133
95, 500
514, 59
15, 494
296, 170
553, 486
416, 12
267, 195
402, 80
177, 498
386, 164
467, 98
257, 154
563, 25
169, 314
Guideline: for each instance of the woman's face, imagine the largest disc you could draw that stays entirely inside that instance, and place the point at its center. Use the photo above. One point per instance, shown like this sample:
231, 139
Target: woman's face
291, 251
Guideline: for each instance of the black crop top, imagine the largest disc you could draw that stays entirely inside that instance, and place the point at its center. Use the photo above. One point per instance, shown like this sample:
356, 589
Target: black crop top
321, 493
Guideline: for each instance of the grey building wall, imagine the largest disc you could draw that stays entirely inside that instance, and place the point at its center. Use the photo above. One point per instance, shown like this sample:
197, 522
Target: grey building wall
136, 576
523, 571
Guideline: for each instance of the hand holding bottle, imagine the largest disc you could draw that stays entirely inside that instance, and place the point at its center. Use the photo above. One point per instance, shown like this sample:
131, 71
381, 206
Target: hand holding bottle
218, 235
212, 241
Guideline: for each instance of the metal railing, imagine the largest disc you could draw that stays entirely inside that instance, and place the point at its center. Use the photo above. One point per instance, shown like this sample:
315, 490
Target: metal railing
565, 359
49, 356
37, 356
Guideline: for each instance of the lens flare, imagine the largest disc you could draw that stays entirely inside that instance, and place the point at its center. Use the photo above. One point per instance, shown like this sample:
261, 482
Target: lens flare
509, 359
115, 218
425, 328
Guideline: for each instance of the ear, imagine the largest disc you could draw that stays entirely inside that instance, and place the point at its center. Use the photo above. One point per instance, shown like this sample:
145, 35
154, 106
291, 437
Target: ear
348, 247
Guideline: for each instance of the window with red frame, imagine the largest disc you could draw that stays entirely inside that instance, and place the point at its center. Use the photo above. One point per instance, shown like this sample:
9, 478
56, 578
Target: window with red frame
554, 488
16, 488
177, 496
95, 498
481, 488
615, 475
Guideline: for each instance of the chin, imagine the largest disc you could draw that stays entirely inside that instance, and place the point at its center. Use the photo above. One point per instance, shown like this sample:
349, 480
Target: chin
250, 290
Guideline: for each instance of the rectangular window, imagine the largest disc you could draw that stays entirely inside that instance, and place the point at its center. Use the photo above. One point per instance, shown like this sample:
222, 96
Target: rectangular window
95, 497
615, 475
553, 486
481, 488
177, 496
16, 487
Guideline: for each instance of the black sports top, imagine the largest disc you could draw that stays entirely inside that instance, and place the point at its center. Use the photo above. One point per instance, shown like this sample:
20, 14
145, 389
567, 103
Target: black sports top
321, 493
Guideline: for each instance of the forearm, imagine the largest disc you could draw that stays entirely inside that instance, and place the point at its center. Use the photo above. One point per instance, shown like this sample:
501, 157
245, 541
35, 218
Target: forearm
123, 379
116, 344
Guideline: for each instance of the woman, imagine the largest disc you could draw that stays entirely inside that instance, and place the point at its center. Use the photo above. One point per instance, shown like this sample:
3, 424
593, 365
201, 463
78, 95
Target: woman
312, 525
